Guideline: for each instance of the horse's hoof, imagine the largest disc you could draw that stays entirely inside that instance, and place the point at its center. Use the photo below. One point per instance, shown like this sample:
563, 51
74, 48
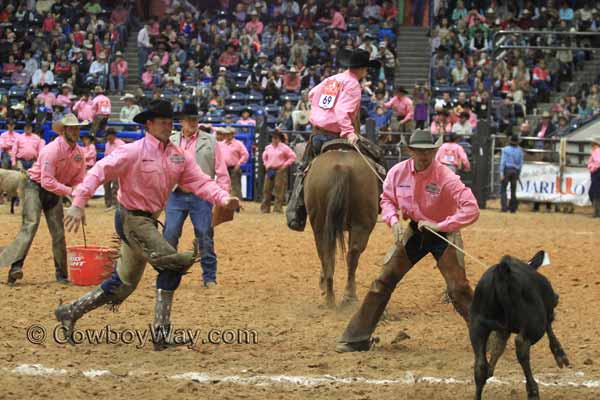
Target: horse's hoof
348, 302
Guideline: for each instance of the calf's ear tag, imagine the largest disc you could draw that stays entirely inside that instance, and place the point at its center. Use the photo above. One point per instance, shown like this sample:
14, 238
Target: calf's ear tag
546, 259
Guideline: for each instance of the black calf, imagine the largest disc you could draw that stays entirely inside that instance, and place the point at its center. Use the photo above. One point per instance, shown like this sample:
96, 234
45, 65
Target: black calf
512, 297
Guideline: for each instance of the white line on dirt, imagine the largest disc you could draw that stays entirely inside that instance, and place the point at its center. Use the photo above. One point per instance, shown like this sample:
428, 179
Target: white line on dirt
409, 378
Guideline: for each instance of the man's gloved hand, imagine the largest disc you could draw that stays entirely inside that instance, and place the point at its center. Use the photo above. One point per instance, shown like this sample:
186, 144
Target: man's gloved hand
232, 203
427, 224
397, 232
75, 216
352, 138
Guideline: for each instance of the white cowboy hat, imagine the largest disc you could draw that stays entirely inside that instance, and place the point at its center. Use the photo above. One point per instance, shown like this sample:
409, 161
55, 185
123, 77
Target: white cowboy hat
596, 140
128, 96
71, 120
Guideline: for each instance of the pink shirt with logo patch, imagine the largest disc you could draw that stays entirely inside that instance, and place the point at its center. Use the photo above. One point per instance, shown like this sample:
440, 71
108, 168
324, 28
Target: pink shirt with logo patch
147, 171
101, 105
335, 102
435, 194
276, 157
27, 147
59, 167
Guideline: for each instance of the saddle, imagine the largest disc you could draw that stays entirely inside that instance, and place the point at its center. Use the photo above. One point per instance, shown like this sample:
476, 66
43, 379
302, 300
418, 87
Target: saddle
370, 150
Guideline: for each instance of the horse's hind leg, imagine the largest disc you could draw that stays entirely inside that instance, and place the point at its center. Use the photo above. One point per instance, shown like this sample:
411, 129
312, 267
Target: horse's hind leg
327, 269
358, 239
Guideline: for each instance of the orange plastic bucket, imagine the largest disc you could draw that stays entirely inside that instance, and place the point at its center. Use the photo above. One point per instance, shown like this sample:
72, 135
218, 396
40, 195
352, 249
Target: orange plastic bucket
89, 265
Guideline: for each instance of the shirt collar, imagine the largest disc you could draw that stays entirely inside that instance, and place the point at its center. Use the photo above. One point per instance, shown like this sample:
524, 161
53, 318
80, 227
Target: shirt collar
154, 142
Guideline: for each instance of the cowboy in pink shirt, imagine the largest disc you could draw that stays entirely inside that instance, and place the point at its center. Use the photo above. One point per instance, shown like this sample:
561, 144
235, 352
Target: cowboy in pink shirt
235, 154
403, 106
84, 108
432, 198
101, 107
89, 151
64, 98
594, 168
57, 171
26, 148
452, 155
277, 158
337, 19
147, 171
7, 141
334, 114
111, 187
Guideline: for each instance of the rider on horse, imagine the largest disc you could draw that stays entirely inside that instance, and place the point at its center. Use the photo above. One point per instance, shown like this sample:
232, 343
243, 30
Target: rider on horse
335, 109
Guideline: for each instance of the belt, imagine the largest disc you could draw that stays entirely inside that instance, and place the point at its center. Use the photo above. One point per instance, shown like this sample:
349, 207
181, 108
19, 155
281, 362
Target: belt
180, 190
318, 129
136, 213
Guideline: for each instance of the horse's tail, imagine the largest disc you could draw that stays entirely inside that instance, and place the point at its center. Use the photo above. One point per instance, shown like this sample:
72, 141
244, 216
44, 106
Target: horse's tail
336, 218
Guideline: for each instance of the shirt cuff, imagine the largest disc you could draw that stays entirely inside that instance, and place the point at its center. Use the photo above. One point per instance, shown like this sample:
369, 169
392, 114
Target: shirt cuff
391, 221
79, 202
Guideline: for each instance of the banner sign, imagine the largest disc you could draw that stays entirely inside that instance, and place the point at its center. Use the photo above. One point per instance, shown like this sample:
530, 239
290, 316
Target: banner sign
542, 183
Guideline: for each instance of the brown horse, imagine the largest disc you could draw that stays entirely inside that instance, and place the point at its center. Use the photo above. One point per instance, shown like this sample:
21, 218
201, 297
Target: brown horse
341, 194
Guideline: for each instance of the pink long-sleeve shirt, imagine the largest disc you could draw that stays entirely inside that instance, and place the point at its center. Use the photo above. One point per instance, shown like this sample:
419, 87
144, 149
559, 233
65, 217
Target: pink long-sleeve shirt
49, 99
27, 147
7, 140
276, 157
594, 162
435, 194
338, 22
453, 154
110, 147
147, 171
402, 106
59, 167
84, 110
89, 154
188, 144
101, 105
234, 152
335, 103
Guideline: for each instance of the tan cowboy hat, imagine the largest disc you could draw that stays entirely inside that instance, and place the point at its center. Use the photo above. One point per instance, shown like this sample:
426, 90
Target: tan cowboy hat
71, 120
423, 139
546, 114
118, 54
596, 140
128, 96
227, 130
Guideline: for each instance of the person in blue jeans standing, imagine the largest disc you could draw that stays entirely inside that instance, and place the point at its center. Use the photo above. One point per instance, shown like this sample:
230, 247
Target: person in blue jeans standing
203, 147
511, 164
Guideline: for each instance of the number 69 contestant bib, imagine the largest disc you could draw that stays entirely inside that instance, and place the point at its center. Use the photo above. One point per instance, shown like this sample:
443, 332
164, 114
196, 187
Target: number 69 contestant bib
329, 94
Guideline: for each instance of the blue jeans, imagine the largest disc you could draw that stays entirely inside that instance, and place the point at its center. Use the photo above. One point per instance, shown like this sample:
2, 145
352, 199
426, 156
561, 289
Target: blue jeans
6, 161
117, 81
179, 206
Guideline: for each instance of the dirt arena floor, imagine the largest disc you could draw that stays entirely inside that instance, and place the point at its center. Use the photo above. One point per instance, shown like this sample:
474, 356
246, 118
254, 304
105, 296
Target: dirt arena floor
268, 282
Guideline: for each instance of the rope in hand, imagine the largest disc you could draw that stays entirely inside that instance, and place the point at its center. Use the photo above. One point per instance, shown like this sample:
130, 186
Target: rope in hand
84, 237
477, 260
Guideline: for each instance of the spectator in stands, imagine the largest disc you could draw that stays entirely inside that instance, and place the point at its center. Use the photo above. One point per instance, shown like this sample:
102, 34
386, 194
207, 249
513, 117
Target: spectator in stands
118, 73
506, 115
31, 64
440, 124
20, 77
388, 11
421, 96
462, 127
459, 12
229, 58
99, 71
546, 128
144, 45
404, 111
42, 76
101, 107
130, 109
337, 20
563, 128
460, 74
246, 120
292, 81
46, 97
541, 80
566, 13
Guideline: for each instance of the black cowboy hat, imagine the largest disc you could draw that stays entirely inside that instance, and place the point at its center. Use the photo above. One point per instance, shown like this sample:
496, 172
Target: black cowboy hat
514, 139
190, 110
156, 109
358, 58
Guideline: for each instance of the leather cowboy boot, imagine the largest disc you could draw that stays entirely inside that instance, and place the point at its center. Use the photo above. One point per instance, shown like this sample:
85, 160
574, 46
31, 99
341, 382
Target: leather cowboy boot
162, 318
68, 314
296, 210
15, 273
61, 272
357, 336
